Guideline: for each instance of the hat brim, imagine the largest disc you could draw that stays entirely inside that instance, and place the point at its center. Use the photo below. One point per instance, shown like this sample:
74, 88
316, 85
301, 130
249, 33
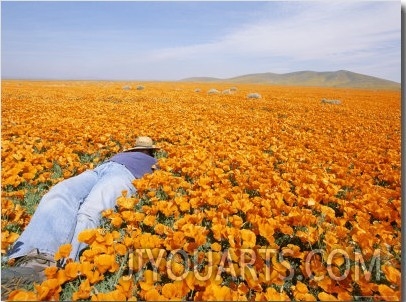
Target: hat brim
141, 148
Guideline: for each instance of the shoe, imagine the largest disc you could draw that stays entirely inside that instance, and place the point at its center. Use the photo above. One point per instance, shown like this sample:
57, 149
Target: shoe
26, 270
13, 278
37, 261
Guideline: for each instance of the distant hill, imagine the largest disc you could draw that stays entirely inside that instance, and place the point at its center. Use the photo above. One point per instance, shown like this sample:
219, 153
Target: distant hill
341, 78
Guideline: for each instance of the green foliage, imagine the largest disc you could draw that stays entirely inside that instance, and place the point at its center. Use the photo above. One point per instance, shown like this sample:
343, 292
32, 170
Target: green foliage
342, 193
13, 227
378, 181
269, 151
87, 157
68, 289
161, 194
160, 154
253, 193
33, 197
57, 171
165, 220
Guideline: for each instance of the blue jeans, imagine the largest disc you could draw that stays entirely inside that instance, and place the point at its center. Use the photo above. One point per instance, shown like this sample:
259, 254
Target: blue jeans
72, 206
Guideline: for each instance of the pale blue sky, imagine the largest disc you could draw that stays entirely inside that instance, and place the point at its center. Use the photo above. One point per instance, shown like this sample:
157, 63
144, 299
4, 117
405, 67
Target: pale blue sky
174, 40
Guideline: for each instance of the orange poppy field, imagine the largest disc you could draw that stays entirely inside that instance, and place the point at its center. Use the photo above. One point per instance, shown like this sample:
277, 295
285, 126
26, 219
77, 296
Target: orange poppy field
280, 196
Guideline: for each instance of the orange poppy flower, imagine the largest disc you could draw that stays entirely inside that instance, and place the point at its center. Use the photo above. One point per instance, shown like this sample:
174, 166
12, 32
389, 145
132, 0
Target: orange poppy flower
323, 296
48, 290
126, 203
87, 236
149, 279
120, 249
125, 286
153, 295
272, 295
83, 291
387, 293
105, 263
301, 292
392, 274
22, 295
170, 291
63, 251
72, 270
110, 296
249, 238
217, 293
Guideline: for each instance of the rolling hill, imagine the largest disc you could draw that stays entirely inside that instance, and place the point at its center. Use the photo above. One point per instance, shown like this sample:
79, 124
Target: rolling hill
341, 78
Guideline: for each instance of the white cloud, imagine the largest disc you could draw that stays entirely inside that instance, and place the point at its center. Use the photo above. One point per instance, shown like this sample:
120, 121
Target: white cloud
349, 33
273, 36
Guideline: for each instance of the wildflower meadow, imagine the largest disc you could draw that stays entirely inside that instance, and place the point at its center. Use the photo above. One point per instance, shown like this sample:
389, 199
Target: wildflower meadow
263, 192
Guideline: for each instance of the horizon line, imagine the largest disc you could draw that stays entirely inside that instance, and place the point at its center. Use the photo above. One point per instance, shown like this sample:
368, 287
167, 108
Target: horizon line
182, 79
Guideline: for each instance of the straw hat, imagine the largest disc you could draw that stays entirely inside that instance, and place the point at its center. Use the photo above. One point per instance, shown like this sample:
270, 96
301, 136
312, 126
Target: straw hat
143, 143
